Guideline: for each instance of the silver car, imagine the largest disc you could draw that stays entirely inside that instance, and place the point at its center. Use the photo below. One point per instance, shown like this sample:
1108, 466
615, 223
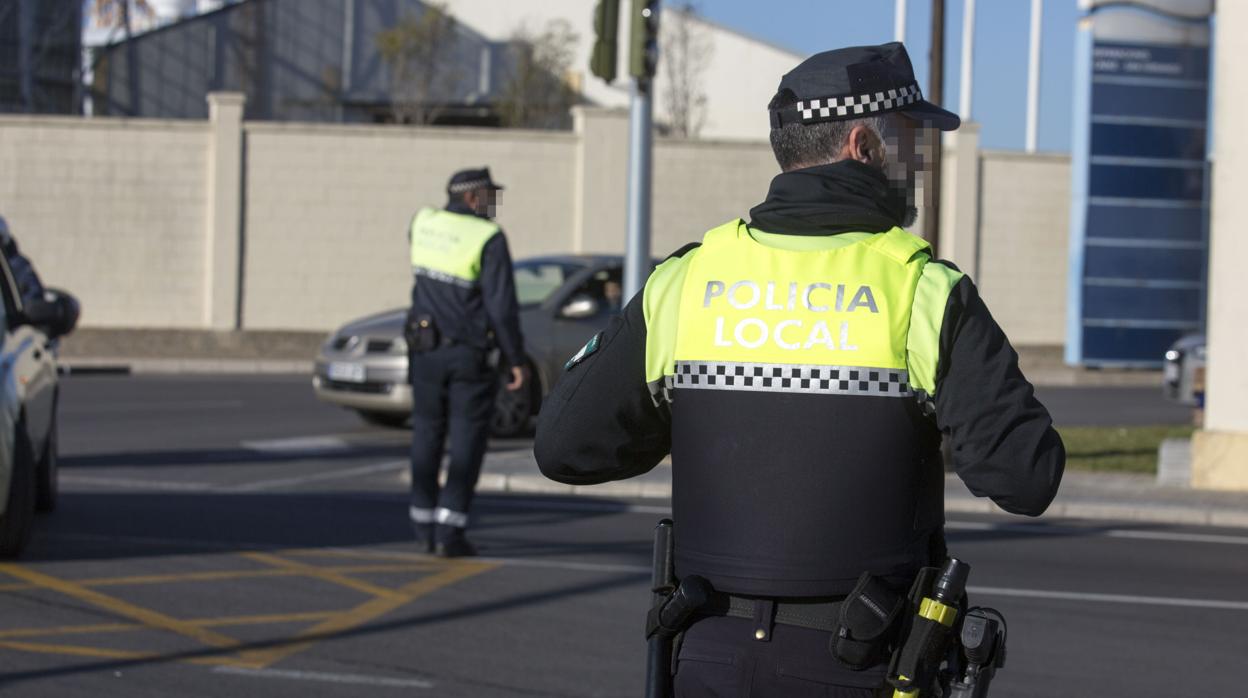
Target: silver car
564, 300
1183, 379
28, 401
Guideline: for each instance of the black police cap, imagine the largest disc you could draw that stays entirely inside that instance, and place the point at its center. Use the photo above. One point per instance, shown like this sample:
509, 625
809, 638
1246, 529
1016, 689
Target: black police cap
468, 180
855, 83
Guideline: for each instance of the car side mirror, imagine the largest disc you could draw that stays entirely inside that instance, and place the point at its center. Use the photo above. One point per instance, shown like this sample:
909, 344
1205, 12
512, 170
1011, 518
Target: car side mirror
56, 313
579, 307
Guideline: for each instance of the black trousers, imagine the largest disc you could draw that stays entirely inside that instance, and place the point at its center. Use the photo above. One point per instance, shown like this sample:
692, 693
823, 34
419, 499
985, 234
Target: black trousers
720, 658
453, 390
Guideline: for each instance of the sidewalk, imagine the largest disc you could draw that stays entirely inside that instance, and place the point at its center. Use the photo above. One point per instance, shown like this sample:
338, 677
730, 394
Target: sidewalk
93, 350
1083, 495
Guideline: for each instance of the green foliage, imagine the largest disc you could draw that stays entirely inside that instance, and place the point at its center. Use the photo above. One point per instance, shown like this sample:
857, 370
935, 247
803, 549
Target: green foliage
1118, 449
537, 92
419, 51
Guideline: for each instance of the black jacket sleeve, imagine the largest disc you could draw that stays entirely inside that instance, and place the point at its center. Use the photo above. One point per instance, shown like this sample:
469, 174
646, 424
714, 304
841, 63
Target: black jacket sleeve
1004, 444
599, 423
498, 289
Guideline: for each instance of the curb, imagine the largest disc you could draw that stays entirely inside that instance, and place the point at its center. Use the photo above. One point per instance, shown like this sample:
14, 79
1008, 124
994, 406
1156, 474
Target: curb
1143, 513
184, 366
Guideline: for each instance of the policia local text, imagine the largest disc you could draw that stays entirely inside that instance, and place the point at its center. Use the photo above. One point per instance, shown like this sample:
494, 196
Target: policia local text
753, 333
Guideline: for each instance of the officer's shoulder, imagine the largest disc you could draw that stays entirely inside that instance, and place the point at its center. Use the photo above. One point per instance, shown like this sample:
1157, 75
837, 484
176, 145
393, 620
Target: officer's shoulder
682, 252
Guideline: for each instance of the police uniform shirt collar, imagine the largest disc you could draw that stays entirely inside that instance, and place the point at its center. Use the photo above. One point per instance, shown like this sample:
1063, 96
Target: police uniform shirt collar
855, 83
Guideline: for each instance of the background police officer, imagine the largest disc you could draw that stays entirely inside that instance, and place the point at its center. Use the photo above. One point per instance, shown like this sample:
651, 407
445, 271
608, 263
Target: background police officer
463, 307
800, 369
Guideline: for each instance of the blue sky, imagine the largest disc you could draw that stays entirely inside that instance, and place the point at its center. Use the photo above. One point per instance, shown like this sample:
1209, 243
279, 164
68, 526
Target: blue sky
1000, 65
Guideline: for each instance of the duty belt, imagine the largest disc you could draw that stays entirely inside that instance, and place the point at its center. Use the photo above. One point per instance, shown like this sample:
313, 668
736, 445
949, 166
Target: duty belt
815, 614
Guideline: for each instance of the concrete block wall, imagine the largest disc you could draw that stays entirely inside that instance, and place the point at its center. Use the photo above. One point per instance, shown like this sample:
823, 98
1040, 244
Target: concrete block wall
327, 209
1024, 206
112, 210
229, 225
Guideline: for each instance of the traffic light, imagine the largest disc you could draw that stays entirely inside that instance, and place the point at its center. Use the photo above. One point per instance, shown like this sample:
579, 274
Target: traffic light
643, 58
606, 37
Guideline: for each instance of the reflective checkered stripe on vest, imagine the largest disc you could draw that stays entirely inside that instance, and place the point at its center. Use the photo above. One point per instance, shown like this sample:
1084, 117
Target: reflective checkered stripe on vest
447, 246
801, 455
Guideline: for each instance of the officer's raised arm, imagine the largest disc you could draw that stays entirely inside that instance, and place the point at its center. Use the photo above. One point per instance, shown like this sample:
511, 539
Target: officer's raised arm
1004, 444
600, 422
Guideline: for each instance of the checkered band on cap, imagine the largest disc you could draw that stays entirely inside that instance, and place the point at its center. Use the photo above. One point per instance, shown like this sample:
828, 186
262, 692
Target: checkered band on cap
461, 187
832, 108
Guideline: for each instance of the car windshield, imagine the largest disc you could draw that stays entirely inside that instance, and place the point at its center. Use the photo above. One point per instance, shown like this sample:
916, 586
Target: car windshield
535, 281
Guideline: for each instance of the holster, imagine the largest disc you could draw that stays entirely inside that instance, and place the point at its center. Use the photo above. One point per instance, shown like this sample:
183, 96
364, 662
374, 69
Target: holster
924, 642
421, 333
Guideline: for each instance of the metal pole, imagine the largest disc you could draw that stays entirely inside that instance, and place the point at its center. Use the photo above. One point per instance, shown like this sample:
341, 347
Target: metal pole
968, 59
1033, 75
899, 21
935, 95
637, 257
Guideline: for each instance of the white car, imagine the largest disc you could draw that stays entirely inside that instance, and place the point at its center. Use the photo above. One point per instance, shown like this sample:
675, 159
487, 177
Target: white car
28, 400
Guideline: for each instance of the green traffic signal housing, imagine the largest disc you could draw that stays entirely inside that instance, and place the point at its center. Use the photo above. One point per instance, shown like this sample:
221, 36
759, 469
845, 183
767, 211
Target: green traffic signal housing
643, 59
606, 38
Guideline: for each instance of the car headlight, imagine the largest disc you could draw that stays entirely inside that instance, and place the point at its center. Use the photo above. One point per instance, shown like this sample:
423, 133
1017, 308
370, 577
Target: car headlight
1173, 355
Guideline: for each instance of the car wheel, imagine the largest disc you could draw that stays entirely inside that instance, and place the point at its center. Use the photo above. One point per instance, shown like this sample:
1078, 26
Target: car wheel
20, 512
47, 486
513, 409
393, 420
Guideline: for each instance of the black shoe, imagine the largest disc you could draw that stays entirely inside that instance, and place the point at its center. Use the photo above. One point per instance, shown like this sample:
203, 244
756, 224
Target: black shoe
457, 546
424, 538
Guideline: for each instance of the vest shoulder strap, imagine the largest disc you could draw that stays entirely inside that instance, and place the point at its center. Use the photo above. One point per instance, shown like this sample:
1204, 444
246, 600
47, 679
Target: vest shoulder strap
723, 234
899, 245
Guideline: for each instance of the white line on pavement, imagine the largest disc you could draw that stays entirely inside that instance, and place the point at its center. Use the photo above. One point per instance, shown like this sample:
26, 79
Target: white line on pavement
316, 477
324, 677
301, 444
130, 483
204, 487
1112, 598
152, 406
1037, 530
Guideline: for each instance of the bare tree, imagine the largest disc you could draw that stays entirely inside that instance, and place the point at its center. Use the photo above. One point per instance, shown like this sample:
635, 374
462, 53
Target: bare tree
420, 52
537, 92
686, 50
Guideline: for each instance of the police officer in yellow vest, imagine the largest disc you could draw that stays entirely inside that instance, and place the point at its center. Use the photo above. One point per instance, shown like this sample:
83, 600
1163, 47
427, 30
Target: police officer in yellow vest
463, 308
801, 369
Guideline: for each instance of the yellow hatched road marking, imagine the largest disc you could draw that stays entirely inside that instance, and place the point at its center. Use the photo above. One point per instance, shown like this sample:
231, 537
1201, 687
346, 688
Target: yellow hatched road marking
223, 575
372, 609
323, 574
146, 616
384, 601
107, 628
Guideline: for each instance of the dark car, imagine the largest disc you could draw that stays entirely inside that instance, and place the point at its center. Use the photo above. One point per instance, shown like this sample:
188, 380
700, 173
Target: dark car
564, 300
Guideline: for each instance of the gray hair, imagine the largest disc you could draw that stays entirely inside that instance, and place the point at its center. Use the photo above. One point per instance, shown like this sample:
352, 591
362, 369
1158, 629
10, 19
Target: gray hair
806, 145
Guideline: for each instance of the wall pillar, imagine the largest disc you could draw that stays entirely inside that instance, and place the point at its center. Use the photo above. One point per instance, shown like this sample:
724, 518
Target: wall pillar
601, 180
223, 237
1220, 452
959, 206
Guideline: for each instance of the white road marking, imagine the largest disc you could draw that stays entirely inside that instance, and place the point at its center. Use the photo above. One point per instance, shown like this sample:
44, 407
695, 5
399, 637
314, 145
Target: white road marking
152, 406
1112, 598
1038, 530
611, 568
260, 485
130, 483
324, 677
301, 444
207, 488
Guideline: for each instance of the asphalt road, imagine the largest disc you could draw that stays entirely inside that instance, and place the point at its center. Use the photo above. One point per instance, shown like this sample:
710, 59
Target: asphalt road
233, 537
